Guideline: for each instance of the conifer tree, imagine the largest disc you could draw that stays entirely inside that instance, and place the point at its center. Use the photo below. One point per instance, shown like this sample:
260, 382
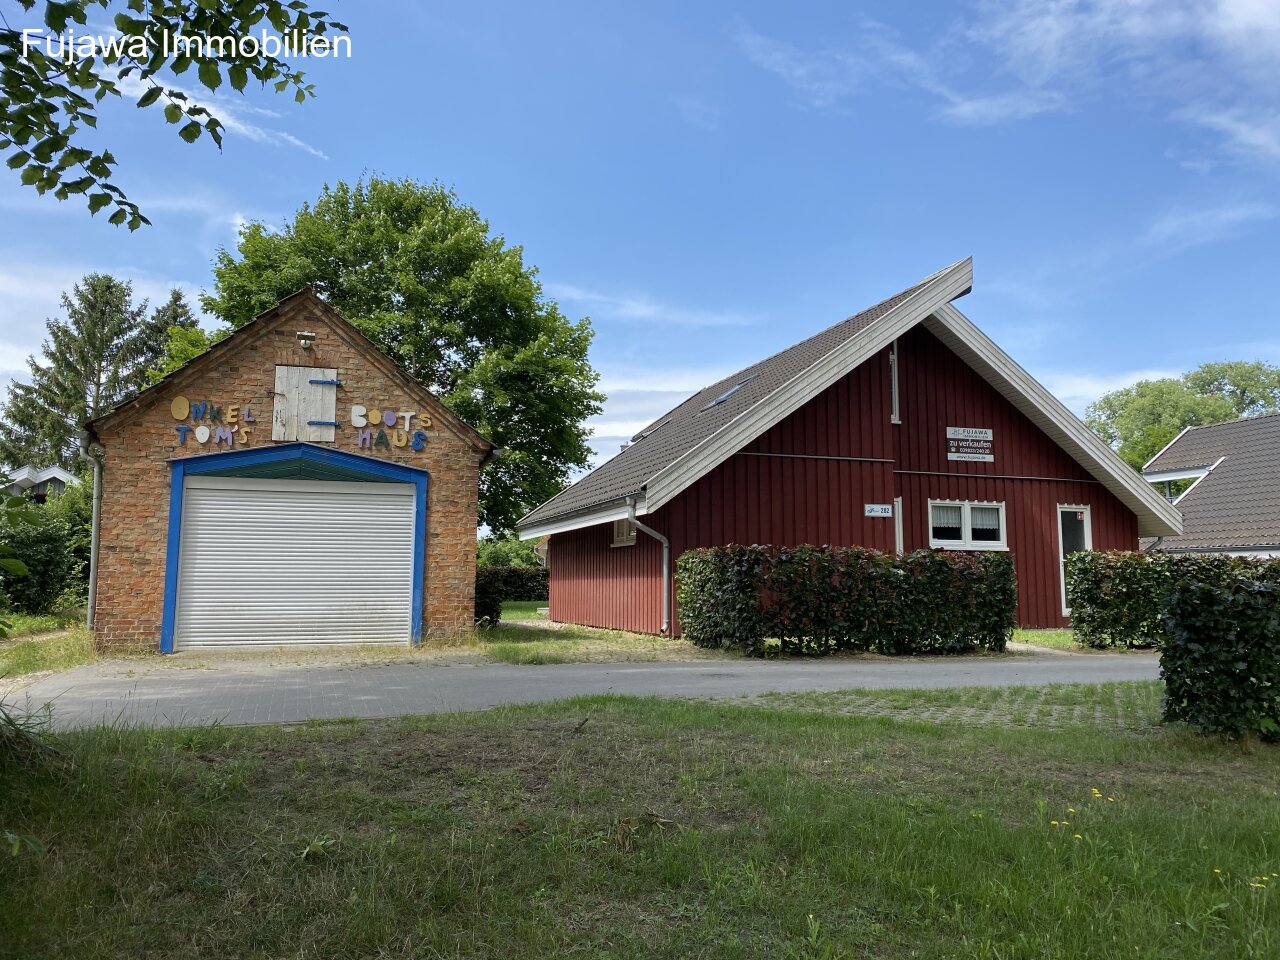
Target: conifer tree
92, 359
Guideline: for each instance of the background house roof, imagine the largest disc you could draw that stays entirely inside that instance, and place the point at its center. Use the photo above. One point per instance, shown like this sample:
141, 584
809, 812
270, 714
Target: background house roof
1236, 505
26, 477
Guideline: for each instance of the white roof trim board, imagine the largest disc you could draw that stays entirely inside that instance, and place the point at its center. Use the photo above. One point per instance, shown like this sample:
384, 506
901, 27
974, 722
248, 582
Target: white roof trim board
953, 282
28, 476
931, 305
1156, 516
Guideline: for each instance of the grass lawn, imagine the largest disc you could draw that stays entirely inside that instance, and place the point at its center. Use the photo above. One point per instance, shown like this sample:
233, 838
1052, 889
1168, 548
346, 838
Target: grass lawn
523, 610
1064, 640
573, 644
643, 828
1053, 639
27, 624
57, 651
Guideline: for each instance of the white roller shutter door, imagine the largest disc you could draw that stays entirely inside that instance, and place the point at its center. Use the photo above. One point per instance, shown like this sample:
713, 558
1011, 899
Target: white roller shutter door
293, 562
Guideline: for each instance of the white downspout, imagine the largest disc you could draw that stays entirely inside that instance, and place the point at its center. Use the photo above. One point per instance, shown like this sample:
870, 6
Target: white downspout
95, 525
666, 563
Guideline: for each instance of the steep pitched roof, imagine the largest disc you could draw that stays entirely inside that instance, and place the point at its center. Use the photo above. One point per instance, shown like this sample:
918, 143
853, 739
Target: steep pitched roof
708, 428
260, 325
1235, 503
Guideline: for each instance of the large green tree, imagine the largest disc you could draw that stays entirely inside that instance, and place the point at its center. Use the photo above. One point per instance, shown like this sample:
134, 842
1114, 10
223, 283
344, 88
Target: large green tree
1138, 421
50, 92
94, 357
454, 306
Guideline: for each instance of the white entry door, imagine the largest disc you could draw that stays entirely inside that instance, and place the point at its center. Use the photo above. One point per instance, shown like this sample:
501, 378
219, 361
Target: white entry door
264, 561
1075, 533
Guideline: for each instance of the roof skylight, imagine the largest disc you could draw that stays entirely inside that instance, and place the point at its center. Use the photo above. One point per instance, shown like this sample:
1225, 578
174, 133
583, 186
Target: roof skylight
726, 395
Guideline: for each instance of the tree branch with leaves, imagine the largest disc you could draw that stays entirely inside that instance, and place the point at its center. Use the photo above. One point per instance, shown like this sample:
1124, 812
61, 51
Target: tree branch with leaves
50, 102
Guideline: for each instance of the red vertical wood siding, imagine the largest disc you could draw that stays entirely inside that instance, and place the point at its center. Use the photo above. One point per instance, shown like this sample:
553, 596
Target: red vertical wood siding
807, 479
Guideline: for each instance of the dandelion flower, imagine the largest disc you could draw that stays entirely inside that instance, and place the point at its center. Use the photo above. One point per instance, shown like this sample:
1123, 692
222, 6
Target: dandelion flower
1216, 870
1053, 823
1071, 809
1078, 837
1260, 886
1111, 799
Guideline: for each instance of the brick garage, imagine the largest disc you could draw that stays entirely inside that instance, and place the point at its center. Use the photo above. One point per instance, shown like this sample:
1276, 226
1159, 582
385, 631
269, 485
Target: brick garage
215, 418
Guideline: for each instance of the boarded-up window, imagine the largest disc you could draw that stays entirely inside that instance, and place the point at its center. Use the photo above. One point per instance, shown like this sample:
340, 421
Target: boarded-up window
306, 405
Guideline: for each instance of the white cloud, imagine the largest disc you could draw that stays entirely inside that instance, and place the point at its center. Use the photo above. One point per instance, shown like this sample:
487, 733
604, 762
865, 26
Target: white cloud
240, 117
31, 293
823, 78
1011, 60
1183, 227
1078, 390
828, 76
1252, 133
639, 307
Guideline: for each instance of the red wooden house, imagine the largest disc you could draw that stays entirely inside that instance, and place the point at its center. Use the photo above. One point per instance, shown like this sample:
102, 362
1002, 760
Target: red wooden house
902, 427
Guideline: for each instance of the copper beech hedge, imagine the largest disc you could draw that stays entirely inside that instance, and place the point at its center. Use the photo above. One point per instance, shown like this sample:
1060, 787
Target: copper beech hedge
1117, 597
819, 600
1216, 620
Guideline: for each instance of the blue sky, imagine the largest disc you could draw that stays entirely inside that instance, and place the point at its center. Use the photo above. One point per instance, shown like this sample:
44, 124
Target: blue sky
712, 182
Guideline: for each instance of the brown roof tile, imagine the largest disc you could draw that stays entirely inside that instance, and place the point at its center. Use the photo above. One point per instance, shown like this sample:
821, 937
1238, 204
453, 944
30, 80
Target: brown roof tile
1238, 504
678, 431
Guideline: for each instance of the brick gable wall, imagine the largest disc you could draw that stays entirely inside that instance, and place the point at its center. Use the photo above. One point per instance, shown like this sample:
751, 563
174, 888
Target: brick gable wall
139, 442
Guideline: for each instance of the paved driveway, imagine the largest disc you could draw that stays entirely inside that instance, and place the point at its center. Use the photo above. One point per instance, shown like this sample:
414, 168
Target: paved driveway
239, 692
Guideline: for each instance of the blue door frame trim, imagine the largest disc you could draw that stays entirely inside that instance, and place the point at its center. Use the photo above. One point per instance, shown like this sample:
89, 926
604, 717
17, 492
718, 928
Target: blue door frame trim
183, 467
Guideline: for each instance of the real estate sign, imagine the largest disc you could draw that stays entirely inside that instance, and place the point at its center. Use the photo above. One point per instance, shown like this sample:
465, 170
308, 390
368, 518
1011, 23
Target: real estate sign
970, 443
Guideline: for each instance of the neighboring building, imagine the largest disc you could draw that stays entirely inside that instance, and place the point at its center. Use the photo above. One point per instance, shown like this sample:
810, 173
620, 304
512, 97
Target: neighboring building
1234, 504
39, 483
290, 485
900, 428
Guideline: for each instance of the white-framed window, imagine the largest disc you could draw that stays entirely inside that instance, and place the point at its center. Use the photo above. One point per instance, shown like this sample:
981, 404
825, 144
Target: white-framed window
1075, 533
966, 525
624, 534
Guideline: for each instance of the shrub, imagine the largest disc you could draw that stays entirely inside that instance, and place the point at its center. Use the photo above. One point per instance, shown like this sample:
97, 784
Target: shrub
506, 552
818, 600
1117, 598
43, 543
1221, 655
495, 585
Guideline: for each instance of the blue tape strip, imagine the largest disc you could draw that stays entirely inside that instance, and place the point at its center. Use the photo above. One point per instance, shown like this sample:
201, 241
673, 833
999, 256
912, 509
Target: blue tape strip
327, 383
322, 423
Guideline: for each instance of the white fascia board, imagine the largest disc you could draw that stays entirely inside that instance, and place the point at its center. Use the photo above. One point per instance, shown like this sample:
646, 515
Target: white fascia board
1156, 516
1181, 433
28, 476
605, 514
1186, 473
945, 286
1199, 480
56, 472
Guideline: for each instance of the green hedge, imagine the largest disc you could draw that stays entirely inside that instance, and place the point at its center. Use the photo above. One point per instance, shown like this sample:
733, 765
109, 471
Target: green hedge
818, 600
1117, 598
495, 585
1221, 654
44, 543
